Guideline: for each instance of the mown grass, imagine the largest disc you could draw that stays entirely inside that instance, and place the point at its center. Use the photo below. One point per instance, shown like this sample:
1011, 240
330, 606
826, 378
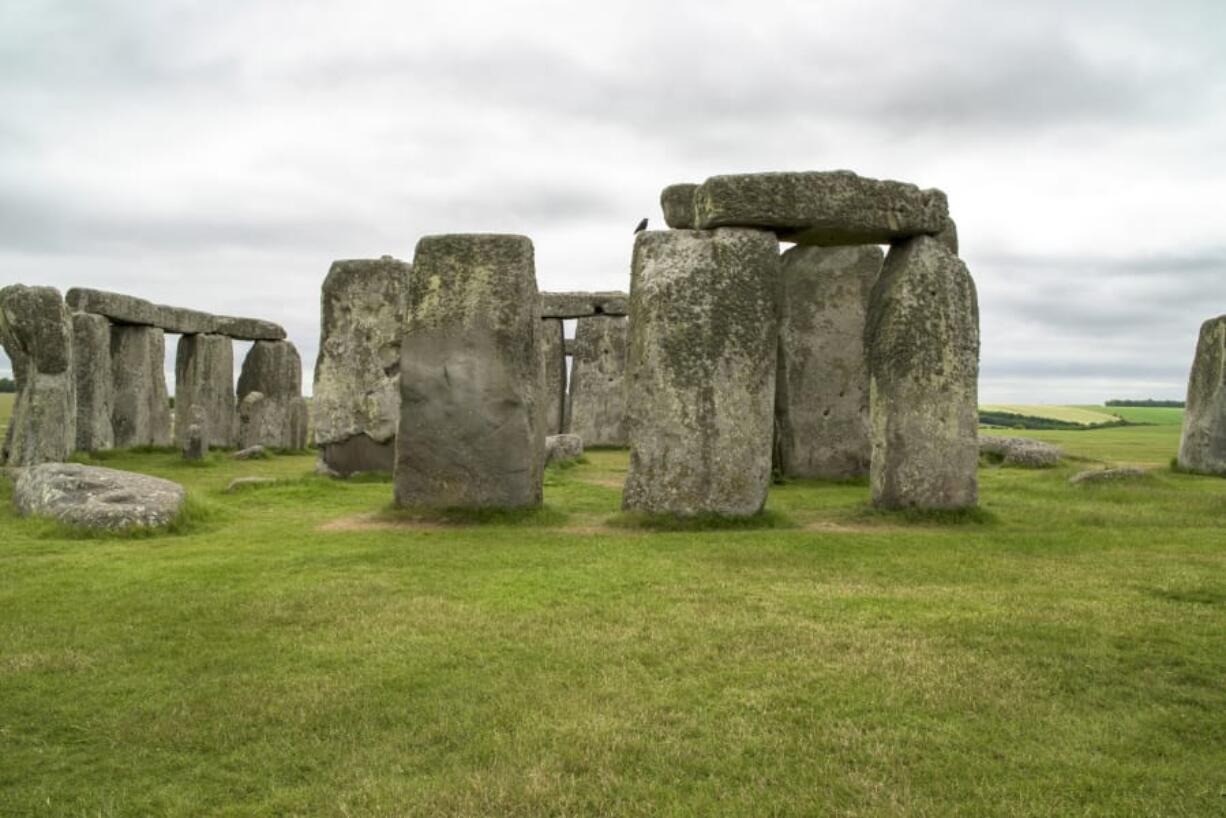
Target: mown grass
302, 652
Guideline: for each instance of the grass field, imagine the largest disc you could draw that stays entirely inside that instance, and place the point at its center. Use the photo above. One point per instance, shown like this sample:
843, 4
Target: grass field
300, 651
1085, 415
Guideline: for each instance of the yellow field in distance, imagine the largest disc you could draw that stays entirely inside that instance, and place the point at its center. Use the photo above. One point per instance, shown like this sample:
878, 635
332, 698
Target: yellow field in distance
1068, 414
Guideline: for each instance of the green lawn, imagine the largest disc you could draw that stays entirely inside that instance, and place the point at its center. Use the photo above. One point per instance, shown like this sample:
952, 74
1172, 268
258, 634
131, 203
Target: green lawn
299, 652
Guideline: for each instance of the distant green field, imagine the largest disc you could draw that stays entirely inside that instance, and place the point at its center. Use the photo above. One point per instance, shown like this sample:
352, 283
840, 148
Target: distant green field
1160, 415
1085, 415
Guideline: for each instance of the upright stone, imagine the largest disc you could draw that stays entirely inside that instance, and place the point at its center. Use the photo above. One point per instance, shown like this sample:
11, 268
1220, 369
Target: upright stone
356, 403
204, 378
36, 332
271, 410
1202, 447
922, 338
598, 382
195, 440
470, 425
140, 414
91, 351
821, 397
700, 372
677, 202
553, 374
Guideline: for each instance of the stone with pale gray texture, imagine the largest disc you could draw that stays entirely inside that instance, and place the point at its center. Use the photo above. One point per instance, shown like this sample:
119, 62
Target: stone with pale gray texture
127, 309
580, 304
204, 378
91, 351
250, 453
700, 372
471, 431
140, 412
271, 409
561, 448
598, 381
821, 397
98, 498
922, 340
1120, 475
1022, 452
1202, 446
553, 373
677, 202
949, 236
36, 332
247, 329
195, 440
356, 403
821, 207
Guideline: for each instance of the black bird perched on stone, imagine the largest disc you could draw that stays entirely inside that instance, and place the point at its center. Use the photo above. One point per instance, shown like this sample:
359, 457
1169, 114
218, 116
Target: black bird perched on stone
642, 226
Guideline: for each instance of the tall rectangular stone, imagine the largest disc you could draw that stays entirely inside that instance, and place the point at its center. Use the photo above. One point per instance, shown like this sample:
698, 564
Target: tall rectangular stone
553, 374
470, 376
821, 397
91, 342
598, 381
700, 372
1202, 444
140, 414
204, 379
36, 332
271, 410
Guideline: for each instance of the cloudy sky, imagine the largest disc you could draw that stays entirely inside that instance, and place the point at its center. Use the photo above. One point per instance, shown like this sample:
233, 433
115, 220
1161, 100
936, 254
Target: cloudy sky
220, 154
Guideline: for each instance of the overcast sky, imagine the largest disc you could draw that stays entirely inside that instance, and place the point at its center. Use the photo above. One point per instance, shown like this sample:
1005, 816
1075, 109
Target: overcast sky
221, 154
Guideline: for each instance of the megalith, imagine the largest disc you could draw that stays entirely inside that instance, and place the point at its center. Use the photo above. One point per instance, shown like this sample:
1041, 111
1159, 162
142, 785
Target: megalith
91, 353
677, 202
821, 392
271, 410
470, 430
597, 383
140, 413
204, 378
194, 442
1202, 447
36, 332
552, 345
922, 341
356, 402
700, 371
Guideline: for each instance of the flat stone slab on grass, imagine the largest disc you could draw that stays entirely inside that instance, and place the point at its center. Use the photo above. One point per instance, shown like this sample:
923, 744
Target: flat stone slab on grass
581, 305
821, 207
1108, 475
1022, 452
95, 497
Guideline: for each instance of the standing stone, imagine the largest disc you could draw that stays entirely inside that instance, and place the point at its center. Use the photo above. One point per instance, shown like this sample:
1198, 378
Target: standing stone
1202, 448
553, 374
36, 332
677, 202
91, 352
271, 409
140, 414
470, 426
357, 374
821, 397
700, 373
598, 384
204, 378
922, 339
195, 440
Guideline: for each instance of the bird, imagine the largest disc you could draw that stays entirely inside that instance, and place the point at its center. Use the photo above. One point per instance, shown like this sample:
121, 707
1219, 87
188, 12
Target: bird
642, 226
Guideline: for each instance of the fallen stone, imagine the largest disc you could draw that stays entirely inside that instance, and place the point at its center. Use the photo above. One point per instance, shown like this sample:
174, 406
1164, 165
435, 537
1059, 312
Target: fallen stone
241, 483
140, 412
356, 402
36, 332
1108, 475
91, 342
553, 374
922, 340
94, 497
579, 305
677, 202
598, 381
195, 442
127, 309
821, 397
250, 453
821, 207
700, 374
271, 409
204, 379
1021, 452
561, 448
470, 376
1202, 445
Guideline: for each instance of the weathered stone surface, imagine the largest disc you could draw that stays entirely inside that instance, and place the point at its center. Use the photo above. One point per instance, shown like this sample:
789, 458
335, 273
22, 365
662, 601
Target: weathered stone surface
94, 497
700, 373
244, 483
579, 305
922, 340
553, 374
91, 342
1022, 452
559, 448
127, 309
568, 346
247, 329
140, 413
470, 426
821, 207
821, 398
949, 236
364, 304
1202, 447
122, 309
1121, 475
195, 440
598, 381
36, 333
271, 409
677, 202
204, 377
250, 453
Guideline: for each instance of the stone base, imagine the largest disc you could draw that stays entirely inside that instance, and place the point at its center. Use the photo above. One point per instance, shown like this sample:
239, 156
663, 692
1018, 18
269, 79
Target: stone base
359, 454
